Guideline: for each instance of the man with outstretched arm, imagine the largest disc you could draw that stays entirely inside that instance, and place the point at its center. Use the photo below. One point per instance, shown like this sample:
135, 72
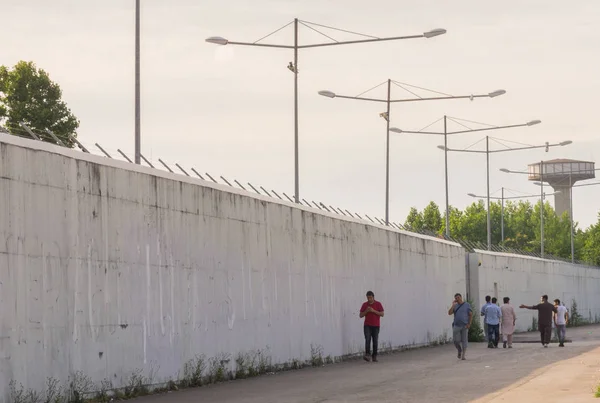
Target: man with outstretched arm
545, 312
463, 316
372, 311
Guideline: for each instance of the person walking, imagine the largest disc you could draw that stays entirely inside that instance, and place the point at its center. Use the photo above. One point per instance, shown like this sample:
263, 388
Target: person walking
545, 311
493, 316
488, 302
372, 311
561, 319
463, 316
509, 320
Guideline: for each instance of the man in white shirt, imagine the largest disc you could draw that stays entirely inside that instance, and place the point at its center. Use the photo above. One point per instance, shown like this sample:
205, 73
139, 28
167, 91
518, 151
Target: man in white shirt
561, 318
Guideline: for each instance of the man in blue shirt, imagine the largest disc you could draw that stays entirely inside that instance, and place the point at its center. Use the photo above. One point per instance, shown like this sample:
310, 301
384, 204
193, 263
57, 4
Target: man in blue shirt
488, 302
463, 316
493, 315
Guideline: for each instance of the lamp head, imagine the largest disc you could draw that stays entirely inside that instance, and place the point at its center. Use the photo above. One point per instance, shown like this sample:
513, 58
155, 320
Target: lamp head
496, 93
434, 32
328, 94
218, 40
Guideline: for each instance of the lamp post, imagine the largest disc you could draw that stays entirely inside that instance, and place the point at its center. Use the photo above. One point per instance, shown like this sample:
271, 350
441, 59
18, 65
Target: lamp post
388, 101
502, 198
294, 68
445, 133
138, 132
487, 152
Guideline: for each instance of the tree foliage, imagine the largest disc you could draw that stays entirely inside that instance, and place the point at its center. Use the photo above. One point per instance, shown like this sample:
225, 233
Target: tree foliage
27, 95
521, 228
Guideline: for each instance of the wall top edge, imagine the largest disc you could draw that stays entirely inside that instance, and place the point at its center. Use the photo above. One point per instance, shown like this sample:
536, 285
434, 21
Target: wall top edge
118, 164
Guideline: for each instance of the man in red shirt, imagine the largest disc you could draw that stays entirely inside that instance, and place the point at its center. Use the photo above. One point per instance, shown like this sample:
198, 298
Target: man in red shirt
372, 311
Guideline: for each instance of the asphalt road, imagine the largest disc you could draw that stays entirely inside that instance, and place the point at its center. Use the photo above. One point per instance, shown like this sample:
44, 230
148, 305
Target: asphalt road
426, 375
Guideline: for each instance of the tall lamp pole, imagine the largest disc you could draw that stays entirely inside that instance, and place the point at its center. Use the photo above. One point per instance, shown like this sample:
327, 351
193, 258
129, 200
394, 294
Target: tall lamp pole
488, 152
445, 133
138, 132
294, 68
388, 101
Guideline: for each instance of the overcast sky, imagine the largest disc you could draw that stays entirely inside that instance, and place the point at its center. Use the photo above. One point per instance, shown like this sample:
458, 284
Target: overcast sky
229, 110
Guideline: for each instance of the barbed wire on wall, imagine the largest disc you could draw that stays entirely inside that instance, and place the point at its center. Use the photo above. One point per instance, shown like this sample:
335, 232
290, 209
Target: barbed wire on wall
250, 188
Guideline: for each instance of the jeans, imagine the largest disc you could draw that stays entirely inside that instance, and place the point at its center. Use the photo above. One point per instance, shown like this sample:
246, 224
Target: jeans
545, 333
561, 331
371, 332
460, 336
493, 334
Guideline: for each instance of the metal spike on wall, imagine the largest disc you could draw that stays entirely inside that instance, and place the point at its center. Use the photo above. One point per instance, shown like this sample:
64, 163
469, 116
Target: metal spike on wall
124, 155
181, 169
166, 166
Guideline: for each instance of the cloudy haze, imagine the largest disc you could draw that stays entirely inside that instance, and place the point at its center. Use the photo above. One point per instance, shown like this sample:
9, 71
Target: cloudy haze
229, 110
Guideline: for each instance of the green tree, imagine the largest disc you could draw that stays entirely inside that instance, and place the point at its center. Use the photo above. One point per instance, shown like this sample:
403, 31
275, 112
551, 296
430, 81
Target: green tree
28, 95
519, 231
414, 220
455, 221
591, 247
521, 228
473, 223
432, 218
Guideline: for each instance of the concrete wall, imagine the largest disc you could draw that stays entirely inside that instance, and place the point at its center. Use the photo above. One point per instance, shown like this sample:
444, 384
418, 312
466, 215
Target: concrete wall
108, 268
525, 279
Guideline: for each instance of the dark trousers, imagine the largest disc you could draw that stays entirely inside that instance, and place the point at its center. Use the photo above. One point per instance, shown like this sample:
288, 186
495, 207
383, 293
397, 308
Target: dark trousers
371, 332
545, 333
493, 334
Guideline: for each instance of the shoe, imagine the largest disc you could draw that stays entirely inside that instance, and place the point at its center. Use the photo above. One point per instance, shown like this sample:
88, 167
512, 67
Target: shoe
463, 355
510, 346
460, 354
504, 345
375, 359
545, 346
367, 358
561, 345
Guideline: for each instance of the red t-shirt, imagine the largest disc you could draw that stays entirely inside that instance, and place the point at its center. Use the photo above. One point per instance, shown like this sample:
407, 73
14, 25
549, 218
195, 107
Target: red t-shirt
371, 319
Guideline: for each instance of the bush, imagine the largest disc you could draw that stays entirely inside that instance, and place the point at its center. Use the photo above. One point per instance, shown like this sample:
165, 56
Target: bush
575, 318
475, 331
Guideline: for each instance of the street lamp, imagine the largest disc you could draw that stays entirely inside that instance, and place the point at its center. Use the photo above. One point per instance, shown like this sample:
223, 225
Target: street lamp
487, 152
386, 115
445, 133
502, 198
293, 66
138, 131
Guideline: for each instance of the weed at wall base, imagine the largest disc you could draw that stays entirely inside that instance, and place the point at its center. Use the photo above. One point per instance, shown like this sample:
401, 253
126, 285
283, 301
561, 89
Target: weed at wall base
316, 355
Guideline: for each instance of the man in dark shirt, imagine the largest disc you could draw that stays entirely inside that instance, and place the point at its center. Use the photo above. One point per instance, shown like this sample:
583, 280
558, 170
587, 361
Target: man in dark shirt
545, 314
372, 311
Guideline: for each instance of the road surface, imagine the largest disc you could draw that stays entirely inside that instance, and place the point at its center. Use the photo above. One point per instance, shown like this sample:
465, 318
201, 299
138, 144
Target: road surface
526, 373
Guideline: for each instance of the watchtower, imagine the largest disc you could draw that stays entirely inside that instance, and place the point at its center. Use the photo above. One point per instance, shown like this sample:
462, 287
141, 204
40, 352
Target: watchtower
561, 174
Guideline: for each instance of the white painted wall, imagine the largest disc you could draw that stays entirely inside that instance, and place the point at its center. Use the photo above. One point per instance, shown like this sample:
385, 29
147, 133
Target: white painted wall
525, 279
107, 268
